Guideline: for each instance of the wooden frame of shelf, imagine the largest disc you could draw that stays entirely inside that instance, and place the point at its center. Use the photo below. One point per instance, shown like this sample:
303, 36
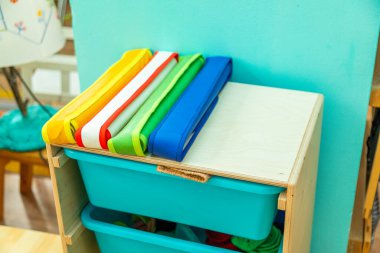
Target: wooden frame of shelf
297, 199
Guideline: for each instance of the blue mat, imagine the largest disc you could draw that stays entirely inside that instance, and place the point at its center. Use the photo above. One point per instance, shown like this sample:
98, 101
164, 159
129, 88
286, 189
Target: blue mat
176, 133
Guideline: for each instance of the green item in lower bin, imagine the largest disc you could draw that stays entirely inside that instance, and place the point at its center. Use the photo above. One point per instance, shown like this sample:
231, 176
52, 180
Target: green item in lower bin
149, 223
133, 138
144, 219
120, 223
269, 245
274, 241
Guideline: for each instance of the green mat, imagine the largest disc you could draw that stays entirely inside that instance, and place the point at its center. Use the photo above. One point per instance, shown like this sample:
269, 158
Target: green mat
133, 138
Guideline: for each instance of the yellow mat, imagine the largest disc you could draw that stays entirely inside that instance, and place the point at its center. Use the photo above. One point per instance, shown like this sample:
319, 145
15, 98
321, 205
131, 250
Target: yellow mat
60, 129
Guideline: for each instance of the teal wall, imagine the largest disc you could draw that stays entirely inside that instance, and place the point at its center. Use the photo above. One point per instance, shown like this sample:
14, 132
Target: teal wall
326, 46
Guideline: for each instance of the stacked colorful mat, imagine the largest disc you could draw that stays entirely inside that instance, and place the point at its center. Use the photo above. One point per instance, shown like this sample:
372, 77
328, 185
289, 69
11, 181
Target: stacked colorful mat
144, 104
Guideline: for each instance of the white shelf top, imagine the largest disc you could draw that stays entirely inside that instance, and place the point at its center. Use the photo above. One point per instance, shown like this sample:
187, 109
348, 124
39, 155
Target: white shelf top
255, 133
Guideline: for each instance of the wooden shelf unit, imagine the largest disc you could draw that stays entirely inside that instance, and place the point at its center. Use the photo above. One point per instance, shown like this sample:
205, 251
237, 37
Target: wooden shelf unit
257, 134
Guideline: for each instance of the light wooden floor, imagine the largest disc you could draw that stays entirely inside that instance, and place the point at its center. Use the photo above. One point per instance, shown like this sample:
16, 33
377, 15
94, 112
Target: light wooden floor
34, 211
28, 241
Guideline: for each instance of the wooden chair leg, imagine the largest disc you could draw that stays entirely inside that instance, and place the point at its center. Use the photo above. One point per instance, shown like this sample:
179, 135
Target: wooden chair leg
3, 163
26, 176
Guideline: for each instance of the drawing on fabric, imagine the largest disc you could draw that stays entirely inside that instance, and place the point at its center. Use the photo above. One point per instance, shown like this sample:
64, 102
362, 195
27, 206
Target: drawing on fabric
30, 24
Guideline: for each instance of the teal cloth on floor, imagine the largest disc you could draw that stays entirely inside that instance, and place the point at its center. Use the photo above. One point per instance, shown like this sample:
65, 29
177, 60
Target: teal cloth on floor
20, 133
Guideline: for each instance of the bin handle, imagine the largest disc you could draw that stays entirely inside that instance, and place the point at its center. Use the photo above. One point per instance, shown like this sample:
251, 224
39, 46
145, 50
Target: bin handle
191, 175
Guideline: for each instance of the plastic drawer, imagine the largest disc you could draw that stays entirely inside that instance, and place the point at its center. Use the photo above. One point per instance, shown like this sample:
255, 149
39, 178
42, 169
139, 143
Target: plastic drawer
226, 205
116, 239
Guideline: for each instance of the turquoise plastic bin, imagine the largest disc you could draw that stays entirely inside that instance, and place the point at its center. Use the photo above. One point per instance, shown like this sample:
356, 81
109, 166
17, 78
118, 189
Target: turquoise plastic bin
226, 205
116, 239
